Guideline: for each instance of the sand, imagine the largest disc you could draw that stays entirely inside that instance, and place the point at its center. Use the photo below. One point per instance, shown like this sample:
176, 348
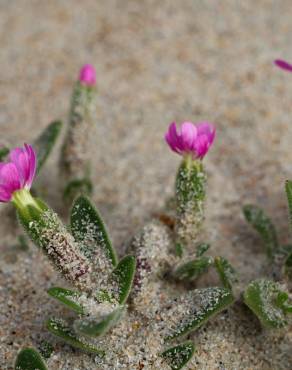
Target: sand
156, 62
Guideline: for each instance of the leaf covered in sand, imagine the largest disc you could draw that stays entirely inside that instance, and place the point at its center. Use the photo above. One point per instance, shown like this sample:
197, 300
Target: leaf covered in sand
177, 357
62, 330
95, 328
193, 269
225, 271
123, 275
29, 359
89, 230
263, 225
67, 297
268, 302
196, 307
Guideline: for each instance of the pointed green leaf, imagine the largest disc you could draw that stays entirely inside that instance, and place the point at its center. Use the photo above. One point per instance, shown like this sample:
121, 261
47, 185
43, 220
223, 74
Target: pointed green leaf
263, 225
89, 229
265, 299
94, 328
225, 271
29, 359
3, 153
288, 188
193, 269
177, 357
62, 330
288, 267
202, 249
123, 275
46, 141
67, 297
196, 307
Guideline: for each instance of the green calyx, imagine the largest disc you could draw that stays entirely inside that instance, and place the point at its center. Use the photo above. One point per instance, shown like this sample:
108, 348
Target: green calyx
29, 208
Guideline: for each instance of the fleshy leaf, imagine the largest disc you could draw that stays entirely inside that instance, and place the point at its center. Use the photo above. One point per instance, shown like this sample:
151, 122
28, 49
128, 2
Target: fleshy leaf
177, 357
193, 269
192, 310
123, 275
3, 153
62, 330
67, 297
29, 359
265, 299
288, 267
202, 249
89, 230
46, 141
263, 225
225, 271
94, 328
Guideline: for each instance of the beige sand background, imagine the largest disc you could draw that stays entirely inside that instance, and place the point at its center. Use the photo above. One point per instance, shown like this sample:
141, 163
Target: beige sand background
156, 61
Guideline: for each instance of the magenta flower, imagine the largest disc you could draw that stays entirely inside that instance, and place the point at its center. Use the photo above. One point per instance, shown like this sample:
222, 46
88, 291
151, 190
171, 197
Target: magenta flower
193, 139
18, 173
283, 65
87, 75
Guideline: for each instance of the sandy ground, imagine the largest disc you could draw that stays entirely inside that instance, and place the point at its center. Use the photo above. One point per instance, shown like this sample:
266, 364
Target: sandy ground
156, 62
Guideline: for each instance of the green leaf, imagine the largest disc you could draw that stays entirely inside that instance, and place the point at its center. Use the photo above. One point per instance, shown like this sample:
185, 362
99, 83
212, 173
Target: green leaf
263, 225
89, 230
177, 357
179, 251
46, 349
193, 309
288, 187
288, 267
94, 328
193, 269
123, 275
77, 187
46, 141
226, 272
29, 359
68, 298
3, 153
62, 330
265, 299
202, 249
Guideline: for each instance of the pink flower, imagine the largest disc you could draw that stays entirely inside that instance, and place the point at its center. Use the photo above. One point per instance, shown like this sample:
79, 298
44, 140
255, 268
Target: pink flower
283, 65
18, 173
87, 75
194, 139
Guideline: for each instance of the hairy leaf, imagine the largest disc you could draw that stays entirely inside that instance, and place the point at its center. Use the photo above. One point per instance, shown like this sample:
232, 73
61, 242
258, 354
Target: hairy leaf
265, 299
177, 357
89, 230
67, 297
94, 328
29, 359
225, 271
62, 330
193, 269
123, 275
192, 310
46, 141
263, 225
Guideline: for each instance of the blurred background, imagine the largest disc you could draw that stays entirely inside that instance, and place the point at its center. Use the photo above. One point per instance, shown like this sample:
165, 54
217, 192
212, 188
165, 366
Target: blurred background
158, 62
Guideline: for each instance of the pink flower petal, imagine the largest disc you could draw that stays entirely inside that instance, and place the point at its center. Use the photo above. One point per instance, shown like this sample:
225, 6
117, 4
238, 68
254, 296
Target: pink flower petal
9, 177
188, 135
87, 75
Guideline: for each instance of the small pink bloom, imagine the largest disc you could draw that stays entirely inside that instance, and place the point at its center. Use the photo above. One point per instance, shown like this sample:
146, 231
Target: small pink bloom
283, 64
194, 139
87, 75
18, 173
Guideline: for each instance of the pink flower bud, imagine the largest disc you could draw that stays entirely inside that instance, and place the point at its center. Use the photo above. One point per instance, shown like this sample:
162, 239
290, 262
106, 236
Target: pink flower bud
87, 75
283, 65
18, 173
193, 139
